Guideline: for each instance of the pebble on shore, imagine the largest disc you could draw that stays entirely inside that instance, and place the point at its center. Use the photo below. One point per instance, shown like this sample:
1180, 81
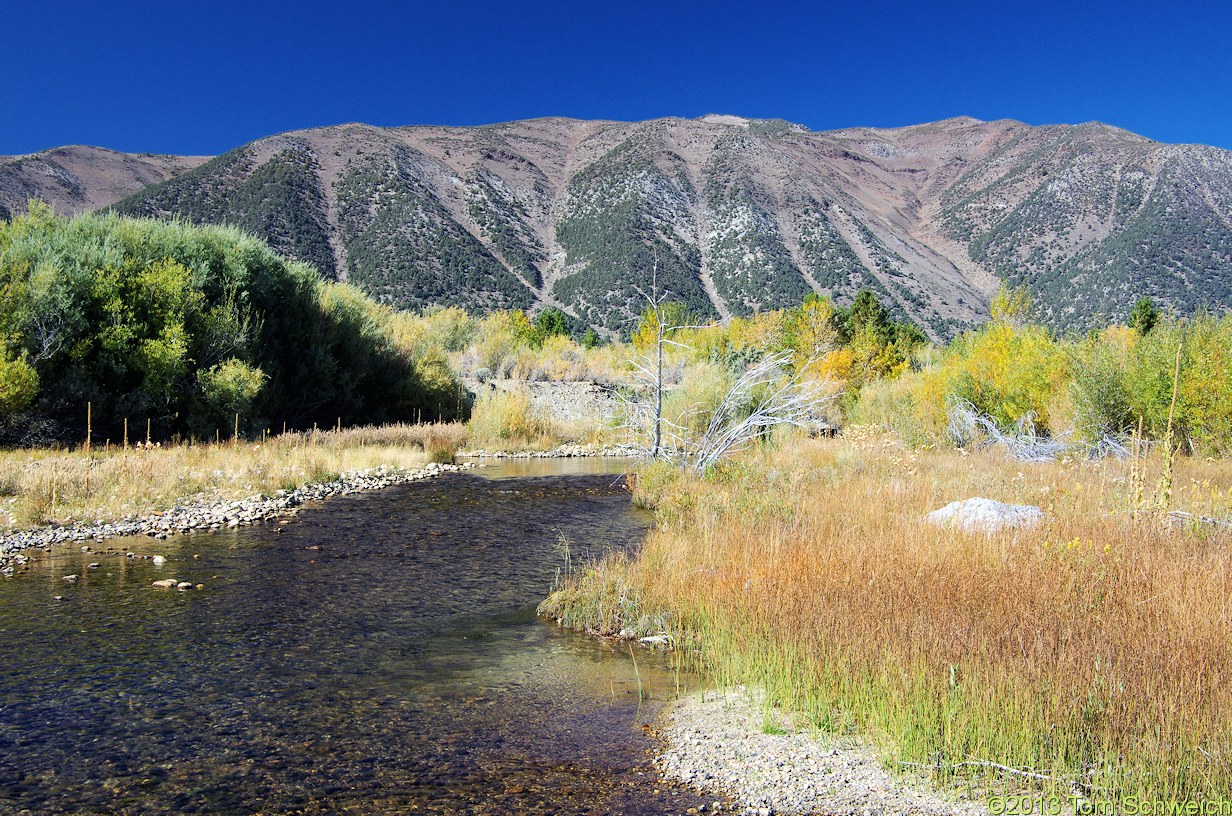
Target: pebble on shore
720, 742
218, 515
207, 516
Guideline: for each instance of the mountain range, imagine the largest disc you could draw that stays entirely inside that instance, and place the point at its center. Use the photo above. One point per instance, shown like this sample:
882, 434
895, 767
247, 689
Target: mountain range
728, 214
76, 178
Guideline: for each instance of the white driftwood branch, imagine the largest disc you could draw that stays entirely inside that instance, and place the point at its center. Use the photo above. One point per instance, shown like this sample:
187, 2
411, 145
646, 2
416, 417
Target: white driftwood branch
777, 399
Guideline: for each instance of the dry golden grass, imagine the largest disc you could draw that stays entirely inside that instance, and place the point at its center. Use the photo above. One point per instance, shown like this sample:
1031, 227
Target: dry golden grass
508, 420
41, 486
1095, 648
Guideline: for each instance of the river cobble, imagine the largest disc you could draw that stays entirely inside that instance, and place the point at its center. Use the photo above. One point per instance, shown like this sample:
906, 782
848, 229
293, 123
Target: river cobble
729, 742
205, 515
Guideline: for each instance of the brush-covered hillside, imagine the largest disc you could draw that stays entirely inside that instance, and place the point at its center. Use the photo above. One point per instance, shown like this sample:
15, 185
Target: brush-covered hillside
77, 178
738, 215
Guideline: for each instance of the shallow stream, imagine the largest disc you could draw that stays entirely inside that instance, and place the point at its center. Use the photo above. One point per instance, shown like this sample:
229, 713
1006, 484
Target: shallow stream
377, 654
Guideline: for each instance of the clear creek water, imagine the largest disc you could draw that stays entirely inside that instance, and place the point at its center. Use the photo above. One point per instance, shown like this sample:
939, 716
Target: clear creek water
378, 654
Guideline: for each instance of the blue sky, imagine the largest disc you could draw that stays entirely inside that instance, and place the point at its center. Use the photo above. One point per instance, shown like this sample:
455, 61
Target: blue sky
203, 77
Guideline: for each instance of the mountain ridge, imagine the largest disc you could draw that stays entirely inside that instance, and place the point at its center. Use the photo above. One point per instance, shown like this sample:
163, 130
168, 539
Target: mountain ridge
76, 178
739, 214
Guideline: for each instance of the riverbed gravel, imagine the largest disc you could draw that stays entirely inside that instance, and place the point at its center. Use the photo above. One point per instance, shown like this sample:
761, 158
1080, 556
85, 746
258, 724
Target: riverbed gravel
722, 742
203, 515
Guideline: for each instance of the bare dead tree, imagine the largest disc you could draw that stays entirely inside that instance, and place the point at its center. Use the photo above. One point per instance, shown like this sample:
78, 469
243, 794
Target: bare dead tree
649, 372
764, 396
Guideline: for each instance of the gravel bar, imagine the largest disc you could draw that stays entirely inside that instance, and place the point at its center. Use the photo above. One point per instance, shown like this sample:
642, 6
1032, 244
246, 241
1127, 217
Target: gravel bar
205, 515
718, 743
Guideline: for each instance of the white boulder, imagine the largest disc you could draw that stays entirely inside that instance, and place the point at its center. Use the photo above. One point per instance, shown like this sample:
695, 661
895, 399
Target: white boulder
985, 515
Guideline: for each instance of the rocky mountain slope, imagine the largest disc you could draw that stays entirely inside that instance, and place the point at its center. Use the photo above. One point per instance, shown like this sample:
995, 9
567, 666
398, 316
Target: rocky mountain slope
74, 179
736, 214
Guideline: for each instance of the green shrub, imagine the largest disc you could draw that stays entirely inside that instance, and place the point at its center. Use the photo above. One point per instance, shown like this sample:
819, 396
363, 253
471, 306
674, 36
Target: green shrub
18, 385
1203, 415
549, 323
1100, 386
227, 389
691, 404
136, 317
